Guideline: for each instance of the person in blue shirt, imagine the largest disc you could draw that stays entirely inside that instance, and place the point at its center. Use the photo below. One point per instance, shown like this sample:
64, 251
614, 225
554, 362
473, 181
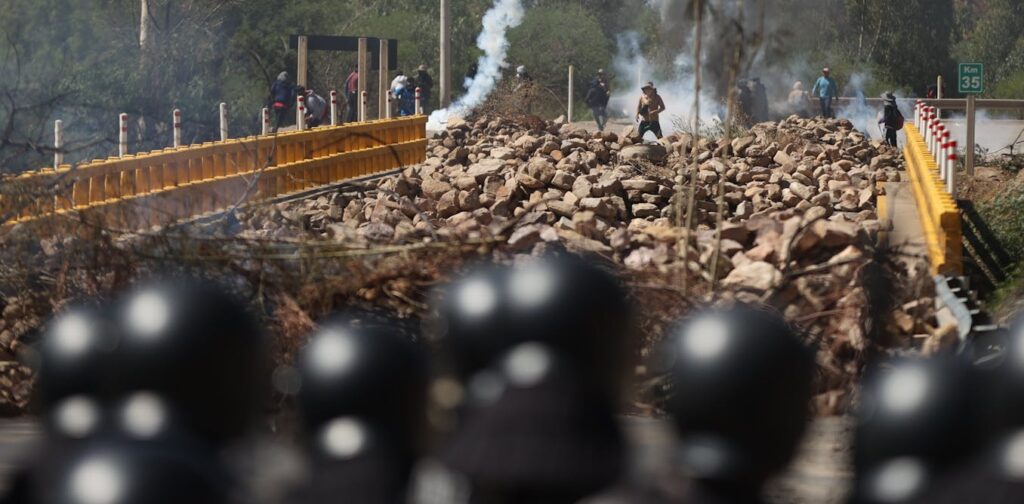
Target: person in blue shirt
826, 90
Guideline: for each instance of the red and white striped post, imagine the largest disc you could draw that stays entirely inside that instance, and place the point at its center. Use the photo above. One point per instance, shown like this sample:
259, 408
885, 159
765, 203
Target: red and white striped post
364, 105
950, 178
917, 115
58, 143
176, 122
300, 113
419, 101
223, 121
334, 108
943, 165
122, 140
265, 114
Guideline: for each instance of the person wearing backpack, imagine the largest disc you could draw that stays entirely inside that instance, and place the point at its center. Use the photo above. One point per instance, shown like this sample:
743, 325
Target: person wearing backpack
892, 119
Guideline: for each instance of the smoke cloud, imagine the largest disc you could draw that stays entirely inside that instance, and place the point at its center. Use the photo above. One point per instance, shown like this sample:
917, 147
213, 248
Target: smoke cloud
493, 41
674, 84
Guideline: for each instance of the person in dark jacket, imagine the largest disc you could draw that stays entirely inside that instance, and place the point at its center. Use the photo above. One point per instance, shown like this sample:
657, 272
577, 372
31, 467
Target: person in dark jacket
597, 99
282, 95
426, 85
892, 119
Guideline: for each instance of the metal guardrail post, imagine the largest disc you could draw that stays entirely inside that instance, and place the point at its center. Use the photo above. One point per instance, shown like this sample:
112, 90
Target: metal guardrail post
58, 143
176, 121
223, 122
122, 138
334, 108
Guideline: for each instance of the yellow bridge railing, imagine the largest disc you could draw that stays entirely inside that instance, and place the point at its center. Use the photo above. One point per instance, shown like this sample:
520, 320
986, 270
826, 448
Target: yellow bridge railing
160, 187
940, 217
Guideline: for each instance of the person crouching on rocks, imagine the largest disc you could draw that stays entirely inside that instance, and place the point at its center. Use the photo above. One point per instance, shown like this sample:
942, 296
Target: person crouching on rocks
647, 111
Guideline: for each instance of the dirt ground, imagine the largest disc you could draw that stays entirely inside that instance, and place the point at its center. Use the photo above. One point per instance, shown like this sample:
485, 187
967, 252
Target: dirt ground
988, 182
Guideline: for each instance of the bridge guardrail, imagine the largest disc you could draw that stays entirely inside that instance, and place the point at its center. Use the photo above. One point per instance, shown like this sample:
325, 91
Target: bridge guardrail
940, 217
337, 152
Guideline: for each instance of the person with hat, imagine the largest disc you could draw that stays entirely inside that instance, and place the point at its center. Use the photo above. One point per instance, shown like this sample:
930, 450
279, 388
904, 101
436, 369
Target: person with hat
426, 85
597, 99
648, 110
826, 90
891, 120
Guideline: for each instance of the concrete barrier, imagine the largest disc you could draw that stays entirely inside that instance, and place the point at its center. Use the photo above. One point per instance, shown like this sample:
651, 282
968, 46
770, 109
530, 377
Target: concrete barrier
940, 217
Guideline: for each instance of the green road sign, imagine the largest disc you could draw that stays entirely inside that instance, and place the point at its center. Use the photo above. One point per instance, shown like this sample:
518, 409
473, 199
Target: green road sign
971, 79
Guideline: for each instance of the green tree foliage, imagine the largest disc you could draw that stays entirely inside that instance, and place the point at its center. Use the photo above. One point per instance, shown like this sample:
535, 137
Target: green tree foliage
81, 60
995, 37
572, 36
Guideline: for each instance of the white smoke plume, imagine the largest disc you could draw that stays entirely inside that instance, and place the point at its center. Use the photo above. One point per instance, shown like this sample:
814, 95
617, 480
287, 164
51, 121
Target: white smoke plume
493, 41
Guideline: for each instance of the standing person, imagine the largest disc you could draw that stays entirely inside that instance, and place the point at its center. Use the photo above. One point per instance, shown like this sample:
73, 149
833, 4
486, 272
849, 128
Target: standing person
352, 96
597, 99
282, 95
798, 100
426, 84
892, 119
760, 100
316, 109
648, 109
826, 90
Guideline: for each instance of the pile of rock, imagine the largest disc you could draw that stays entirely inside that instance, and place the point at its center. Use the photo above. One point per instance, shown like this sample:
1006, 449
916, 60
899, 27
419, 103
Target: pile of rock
798, 214
602, 192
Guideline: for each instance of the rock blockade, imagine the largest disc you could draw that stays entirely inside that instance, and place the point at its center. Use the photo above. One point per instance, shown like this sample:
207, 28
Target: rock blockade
798, 221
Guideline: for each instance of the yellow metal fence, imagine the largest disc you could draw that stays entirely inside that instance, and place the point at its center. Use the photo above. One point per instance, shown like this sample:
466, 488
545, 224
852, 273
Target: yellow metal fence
159, 187
940, 217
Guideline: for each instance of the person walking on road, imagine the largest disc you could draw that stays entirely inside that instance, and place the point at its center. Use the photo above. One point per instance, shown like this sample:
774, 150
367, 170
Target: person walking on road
351, 96
891, 120
826, 90
282, 95
426, 85
597, 99
648, 110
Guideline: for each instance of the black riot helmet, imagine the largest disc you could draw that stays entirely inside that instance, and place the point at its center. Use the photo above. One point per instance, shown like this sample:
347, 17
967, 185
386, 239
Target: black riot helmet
113, 471
473, 321
914, 421
362, 397
742, 382
564, 302
73, 356
367, 371
196, 346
